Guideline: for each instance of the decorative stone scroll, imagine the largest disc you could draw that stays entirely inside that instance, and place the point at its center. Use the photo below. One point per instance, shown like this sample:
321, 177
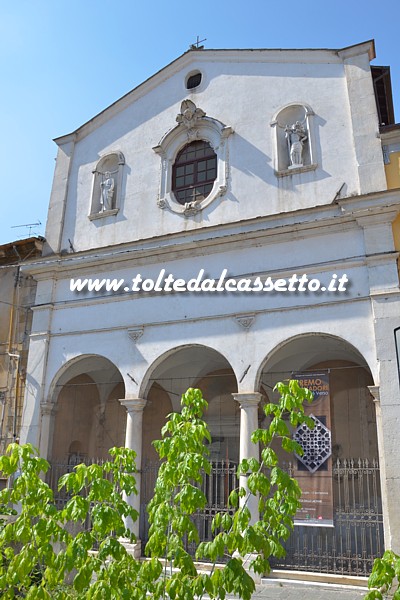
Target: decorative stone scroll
245, 321
190, 117
136, 333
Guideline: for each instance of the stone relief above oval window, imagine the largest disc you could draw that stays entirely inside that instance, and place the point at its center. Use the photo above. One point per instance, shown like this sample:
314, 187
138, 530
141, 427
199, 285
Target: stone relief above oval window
294, 140
107, 183
194, 162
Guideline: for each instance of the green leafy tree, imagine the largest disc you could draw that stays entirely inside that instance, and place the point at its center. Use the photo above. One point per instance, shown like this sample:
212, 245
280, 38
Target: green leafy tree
39, 554
385, 577
178, 496
42, 560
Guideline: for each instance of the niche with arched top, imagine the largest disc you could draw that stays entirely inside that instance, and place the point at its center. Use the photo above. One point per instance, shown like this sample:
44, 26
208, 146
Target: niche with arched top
106, 191
294, 140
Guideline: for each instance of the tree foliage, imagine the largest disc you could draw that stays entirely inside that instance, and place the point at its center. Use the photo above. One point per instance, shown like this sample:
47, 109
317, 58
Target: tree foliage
41, 559
385, 577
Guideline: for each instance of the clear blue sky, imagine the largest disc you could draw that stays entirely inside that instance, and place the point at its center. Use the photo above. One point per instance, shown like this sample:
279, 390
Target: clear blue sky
63, 61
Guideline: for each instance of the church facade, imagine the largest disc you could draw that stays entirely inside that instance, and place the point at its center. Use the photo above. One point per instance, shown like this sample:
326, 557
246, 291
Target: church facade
227, 225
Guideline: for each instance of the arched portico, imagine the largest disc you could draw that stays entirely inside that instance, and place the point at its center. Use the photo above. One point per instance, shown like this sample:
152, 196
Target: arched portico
340, 526
83, 419
305, 350
195, 366
167, 379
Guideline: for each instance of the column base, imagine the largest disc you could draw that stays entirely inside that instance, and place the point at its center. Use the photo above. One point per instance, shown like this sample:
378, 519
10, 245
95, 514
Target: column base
134, 549
256, 577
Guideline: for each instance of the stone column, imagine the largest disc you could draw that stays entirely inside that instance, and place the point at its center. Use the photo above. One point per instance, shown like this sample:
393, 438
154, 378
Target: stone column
248, 423
375, 393
133, 440
386, 308
47, 413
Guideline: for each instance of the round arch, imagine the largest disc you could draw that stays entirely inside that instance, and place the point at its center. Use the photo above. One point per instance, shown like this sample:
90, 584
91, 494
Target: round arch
350, 411
192, 366
101, 369
302, 351
164, 383
87, 413
193, 360
339, 471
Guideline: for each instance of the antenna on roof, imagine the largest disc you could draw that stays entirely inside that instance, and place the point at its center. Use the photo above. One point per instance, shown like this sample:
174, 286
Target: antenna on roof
29, 225
196, 45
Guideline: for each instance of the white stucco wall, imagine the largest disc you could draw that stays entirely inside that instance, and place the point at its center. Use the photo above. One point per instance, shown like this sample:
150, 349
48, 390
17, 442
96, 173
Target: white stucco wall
243, 90
324, 242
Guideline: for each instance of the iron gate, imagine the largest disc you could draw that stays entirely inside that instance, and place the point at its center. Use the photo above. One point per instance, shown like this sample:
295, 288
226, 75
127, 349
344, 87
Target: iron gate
216, 487
356, 539
61, 497
347, 548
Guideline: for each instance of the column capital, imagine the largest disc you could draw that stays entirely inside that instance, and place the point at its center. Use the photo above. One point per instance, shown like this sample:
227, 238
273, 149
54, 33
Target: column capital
248, 399
48, 409
133, 404
375, 392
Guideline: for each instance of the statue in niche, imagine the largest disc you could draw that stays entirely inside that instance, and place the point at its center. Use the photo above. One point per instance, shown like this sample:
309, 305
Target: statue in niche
107, 192
296, 136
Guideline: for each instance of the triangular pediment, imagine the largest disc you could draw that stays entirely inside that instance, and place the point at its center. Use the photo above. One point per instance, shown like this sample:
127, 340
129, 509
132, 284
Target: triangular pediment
193, 57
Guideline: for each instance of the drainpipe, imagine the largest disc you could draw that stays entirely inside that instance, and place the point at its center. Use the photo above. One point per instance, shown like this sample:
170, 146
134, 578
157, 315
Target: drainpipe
11, 354
17, 387
3, 406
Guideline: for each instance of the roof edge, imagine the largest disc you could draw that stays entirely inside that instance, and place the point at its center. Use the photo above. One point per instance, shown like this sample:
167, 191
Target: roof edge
347, 52
357, 49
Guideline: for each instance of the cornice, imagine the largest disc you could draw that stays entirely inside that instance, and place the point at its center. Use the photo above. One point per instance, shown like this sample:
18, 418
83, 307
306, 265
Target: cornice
214, 317
391, 136
330, 266
373, 203
337, 216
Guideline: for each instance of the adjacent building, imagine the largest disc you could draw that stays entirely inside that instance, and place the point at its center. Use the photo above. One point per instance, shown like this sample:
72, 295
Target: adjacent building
17, 295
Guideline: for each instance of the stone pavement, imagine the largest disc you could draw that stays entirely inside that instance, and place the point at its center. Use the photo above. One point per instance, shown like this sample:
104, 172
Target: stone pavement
273, 589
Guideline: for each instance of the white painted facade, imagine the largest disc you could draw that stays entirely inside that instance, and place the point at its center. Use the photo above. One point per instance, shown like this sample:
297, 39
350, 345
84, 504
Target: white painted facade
263, 220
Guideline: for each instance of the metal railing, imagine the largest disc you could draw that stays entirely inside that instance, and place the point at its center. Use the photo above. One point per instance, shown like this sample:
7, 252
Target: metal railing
216, 487
61, 497
356, 539
347, 548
